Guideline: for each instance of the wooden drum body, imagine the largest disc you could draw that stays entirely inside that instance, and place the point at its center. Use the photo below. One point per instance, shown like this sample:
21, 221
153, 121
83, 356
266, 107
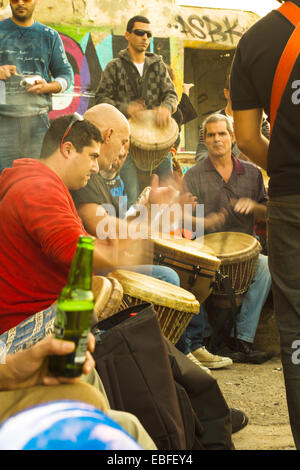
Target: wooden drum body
108, 294
195, 265
150, 144
173, 305
238, 253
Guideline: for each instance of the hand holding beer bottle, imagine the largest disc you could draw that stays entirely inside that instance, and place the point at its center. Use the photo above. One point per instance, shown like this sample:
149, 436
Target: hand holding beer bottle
75, 311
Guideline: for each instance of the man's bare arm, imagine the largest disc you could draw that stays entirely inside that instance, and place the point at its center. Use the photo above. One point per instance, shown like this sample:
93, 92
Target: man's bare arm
247, 127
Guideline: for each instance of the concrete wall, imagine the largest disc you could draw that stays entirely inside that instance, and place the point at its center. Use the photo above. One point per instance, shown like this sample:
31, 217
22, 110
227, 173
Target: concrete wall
93, 33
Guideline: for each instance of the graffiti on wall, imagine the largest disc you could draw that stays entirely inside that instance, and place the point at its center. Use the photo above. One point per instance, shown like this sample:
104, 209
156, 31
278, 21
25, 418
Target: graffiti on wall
88, 60
225, 30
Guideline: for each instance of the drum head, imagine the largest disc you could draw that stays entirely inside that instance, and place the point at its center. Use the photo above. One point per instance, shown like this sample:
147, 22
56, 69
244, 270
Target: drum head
146, 135
188, 250
156, 291
231, 245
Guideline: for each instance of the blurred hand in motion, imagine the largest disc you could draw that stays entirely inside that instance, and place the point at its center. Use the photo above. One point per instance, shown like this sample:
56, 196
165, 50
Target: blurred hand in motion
162, 194
187, 199
243, 205
6, 71
163, 116
181, 196
215, 220
135, 107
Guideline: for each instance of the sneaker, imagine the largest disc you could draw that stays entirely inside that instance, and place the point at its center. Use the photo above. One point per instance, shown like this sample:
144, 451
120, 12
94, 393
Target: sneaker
242, 351
238, 420
198, 363
210, 360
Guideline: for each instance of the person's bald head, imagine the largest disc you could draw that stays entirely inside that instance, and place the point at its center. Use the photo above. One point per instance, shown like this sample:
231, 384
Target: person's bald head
106, 116
115, 130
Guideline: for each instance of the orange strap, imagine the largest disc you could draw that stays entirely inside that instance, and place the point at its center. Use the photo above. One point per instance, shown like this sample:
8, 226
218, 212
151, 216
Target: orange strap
287, 59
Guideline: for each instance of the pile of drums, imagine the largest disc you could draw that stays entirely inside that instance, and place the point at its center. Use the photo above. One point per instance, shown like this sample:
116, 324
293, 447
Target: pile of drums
200, 265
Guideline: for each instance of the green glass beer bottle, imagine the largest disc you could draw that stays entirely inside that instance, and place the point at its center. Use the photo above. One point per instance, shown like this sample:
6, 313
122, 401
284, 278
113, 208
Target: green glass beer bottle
74, 311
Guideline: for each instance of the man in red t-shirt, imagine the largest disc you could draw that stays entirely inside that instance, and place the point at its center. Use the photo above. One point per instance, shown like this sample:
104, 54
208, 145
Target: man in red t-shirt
39, 225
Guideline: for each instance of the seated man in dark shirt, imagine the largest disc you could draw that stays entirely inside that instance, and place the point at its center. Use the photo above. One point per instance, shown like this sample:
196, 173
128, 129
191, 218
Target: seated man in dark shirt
221, 181
105, 187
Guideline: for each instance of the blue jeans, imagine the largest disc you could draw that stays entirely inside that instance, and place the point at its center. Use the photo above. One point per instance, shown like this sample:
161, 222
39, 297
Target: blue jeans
283, 219
162, 273
159, 272
21, 138
247, 319
129, 175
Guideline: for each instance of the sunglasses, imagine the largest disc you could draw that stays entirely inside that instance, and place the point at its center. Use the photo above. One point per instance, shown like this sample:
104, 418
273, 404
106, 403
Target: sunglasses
75, 118
24, 1
142, 32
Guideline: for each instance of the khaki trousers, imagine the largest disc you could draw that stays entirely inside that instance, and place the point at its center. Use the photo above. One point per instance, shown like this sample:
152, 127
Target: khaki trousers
89, 390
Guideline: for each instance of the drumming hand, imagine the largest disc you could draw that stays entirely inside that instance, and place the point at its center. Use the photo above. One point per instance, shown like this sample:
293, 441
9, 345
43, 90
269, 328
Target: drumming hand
135, 107
163, 116
163, 194
215, 220
244, 205
6, 71
187, 198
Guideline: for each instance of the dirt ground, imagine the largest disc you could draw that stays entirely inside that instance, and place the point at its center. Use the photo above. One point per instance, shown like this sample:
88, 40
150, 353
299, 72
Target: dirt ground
259, 391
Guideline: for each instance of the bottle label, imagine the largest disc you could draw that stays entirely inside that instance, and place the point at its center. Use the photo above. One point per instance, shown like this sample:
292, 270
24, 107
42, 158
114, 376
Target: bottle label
81, 348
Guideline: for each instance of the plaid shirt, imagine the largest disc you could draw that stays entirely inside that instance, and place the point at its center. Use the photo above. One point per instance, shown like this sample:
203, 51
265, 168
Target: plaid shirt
116, 89
206, 183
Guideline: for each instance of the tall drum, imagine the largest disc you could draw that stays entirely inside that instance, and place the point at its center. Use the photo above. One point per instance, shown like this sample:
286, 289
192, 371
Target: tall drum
150, 144
173, 305
238, 253
195, 264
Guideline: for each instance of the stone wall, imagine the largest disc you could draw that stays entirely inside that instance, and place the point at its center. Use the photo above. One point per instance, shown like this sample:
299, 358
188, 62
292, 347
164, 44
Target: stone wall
93, 33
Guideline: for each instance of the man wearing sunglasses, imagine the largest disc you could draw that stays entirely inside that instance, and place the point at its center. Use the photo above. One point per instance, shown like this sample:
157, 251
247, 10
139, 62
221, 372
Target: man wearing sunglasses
134, 81
29, 51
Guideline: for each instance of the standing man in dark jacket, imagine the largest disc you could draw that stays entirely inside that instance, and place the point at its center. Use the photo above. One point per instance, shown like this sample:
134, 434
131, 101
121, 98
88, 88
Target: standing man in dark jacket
254, 73
129, 94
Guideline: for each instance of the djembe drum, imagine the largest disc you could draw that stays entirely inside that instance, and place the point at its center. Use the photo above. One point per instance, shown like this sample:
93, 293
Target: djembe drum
150, 144
108, 294
196, 265
173, 305
238, 253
